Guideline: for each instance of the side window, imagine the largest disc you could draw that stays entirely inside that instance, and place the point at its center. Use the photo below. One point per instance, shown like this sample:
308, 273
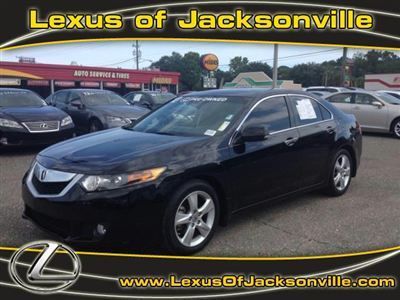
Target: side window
73, 96
364, 99
326, 115
60, 98
340, 98
306, 110
272, 113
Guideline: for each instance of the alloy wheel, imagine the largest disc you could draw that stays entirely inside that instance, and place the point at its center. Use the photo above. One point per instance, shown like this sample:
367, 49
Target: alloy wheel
194, 218
342, 172
396, 129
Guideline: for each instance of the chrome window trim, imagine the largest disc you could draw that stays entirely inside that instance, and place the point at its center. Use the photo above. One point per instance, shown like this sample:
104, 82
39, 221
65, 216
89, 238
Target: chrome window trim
283, 130
36, 194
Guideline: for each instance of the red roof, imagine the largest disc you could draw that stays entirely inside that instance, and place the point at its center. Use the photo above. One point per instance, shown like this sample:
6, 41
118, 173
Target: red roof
85, 73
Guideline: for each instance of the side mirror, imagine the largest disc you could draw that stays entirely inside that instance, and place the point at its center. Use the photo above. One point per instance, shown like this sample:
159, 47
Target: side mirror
254, 133
77, 103
146, 105
377, 104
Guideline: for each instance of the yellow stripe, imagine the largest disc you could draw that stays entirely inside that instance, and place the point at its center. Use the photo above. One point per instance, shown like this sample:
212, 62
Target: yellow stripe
197, 40
216, 257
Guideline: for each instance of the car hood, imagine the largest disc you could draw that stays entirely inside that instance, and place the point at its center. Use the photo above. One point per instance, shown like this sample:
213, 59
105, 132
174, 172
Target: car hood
32, 114
124, 111
119, 150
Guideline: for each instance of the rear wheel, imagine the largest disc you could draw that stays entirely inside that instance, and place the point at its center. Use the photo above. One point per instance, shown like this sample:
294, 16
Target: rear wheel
95, 125
340, 175
190, 218
396, 128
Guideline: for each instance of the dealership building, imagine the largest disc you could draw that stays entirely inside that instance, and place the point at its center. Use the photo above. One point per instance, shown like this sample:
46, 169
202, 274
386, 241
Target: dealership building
48, 78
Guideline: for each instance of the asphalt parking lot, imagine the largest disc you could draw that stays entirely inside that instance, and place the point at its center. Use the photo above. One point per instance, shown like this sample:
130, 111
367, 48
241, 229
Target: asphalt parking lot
366, 218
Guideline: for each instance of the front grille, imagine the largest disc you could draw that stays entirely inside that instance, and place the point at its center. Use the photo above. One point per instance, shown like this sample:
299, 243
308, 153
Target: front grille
48, 188
43, 126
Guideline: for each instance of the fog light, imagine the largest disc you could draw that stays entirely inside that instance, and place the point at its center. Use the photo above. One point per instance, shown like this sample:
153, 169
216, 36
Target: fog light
101, 229
4, 141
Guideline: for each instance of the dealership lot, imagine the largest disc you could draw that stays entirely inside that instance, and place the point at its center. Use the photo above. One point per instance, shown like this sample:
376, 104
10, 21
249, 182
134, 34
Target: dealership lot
365, 218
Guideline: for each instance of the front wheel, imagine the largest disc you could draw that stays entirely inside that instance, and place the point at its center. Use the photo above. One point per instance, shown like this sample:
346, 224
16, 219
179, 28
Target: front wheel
340, 175
396, 128
191, 218
95, 125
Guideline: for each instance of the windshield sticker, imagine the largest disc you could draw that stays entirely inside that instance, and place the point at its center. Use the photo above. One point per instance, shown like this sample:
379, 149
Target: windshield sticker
92, 93
306, 109
223, 126
210, 132
229, 117
203, 99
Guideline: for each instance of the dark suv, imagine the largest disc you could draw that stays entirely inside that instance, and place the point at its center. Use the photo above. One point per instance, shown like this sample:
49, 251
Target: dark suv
93, 110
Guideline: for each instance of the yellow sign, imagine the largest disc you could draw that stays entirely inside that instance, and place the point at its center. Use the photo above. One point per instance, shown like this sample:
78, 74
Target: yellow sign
209, 62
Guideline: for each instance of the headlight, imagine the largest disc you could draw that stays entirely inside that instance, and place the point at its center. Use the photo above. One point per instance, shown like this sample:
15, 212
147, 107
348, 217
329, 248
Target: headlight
66, 121
111, 182
117, 121
9, 123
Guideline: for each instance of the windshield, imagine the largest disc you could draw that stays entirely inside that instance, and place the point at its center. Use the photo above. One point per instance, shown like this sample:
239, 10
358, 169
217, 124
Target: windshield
96, 98
388, 98
161, 98
9, 98
193, 116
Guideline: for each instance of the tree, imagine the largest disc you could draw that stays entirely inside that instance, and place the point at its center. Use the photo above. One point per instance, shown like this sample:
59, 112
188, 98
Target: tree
188, 65
237, 63
307, 74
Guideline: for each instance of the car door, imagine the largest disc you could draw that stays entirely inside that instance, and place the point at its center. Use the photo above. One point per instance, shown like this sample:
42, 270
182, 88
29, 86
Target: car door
262, 170
370, 115
77, 111
317, 130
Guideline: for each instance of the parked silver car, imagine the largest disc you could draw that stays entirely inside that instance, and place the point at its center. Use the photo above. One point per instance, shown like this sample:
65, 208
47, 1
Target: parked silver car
375, 111
395, 94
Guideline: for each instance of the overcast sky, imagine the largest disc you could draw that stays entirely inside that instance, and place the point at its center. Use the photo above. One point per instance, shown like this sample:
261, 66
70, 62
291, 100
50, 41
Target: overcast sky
116, 53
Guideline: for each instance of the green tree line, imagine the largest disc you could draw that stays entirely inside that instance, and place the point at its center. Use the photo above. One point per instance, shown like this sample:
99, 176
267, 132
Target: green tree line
307, 74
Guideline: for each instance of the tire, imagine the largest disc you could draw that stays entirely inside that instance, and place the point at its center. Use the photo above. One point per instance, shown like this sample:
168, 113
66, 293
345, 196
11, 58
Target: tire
196, 228
340, 174
95, 125
396, 128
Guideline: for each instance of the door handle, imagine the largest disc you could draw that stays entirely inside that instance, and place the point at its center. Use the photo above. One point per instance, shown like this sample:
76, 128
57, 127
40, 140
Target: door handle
357, 108
330, 129
291, 141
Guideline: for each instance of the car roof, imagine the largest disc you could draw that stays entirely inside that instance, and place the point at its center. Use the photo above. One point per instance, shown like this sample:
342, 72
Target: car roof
14, 89
245, 92
84, 90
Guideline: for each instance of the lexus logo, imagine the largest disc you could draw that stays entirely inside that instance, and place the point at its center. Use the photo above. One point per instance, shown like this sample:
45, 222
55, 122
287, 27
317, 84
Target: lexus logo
36, 280
43, 125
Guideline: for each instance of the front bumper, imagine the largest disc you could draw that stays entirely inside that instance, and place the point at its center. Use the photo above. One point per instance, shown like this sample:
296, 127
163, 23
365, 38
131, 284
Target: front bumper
76, 216
20, 137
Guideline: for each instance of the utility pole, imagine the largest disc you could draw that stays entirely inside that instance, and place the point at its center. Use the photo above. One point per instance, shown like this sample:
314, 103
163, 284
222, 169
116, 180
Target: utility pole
275, 68
343, 70
136, 53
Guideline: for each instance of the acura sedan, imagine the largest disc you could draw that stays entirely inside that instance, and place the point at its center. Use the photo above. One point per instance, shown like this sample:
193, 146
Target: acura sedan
26, 119
186, 167
94, 110
376, 111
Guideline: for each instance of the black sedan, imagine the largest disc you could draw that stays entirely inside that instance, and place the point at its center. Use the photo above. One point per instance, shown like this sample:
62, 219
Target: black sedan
93, 110
26, 119
189, 165
148, 99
